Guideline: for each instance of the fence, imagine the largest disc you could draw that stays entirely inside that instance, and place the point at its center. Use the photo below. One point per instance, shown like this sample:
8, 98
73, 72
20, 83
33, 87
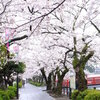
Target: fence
66, 90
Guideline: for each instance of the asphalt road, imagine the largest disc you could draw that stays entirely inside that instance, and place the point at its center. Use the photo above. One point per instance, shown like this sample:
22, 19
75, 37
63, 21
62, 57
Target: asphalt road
30, 92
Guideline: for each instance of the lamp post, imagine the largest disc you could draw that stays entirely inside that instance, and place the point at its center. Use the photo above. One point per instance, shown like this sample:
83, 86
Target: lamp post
16, 49
17, 87
17, 81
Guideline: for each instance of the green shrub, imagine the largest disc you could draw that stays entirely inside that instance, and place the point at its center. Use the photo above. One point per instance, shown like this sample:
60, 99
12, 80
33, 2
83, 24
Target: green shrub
19, 84
4, 95
1, 97
74, 95
12, 88
11, 94
36, 83
82, 95
94, 95
11, 91
79, 97
8, 94
86, 95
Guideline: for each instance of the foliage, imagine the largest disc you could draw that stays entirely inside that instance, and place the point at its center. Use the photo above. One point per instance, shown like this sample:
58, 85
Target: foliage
12, 88
9, 69
75, 94
4, 95
82, 95
20, 67
95, 95
11, 94
12, 67
11, 91
86, 95
36, 83
3, 55
19, 84
1, 97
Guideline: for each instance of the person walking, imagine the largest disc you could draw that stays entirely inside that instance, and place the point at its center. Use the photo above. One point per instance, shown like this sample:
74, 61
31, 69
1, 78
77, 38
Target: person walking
23, 83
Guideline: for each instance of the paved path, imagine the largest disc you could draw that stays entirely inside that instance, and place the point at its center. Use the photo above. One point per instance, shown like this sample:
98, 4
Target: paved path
30, 92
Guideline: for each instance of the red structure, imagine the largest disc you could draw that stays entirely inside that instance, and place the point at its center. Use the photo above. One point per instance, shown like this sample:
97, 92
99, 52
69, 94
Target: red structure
65, 83
93, 80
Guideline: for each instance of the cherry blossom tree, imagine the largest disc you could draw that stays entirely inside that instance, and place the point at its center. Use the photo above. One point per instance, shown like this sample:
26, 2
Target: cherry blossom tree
59, 34
77, 29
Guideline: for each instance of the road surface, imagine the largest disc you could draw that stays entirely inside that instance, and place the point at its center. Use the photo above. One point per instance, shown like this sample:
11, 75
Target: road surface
30, 92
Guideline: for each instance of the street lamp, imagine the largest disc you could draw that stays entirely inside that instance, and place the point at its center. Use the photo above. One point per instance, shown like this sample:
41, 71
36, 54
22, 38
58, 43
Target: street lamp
16, 49
17, 81
9, 33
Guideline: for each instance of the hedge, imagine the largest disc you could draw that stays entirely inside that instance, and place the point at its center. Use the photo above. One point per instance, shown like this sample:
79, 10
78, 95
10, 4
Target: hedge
36, 83
8, 94
12, 88
1, 97
75, 94
4, 95
82, 95
11, 94
86, 95
93, 96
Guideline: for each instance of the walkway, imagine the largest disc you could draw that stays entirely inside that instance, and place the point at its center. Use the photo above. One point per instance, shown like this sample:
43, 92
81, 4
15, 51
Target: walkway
30, 92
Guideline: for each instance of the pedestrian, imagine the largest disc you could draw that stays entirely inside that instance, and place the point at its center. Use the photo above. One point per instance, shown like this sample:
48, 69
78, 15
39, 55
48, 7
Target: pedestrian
23, 82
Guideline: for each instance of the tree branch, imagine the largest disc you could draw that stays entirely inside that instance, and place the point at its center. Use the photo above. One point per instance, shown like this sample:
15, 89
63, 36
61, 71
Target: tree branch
42, 16
7, 4
64, 63
95, 27
17, 39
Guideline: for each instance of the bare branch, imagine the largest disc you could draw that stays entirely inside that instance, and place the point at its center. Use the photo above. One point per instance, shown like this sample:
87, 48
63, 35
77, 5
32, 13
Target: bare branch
62, 46
7, 4
95, 27
60, 19
52, 32
17, 39
37, 25
64, 63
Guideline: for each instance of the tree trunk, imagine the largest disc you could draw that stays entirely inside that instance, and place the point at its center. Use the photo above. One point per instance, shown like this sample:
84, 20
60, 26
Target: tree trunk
49, 82
59, 86
60, 80
44, 75
81, 82
53, 83
48, 86
79, 65
47, 79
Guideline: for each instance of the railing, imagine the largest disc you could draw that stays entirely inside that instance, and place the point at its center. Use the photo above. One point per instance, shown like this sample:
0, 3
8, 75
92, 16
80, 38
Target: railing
66, 90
